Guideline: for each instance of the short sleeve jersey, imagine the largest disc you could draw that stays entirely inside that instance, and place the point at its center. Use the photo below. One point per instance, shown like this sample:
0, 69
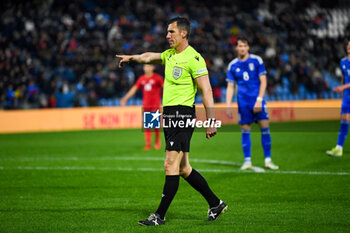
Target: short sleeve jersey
345, 68
151, 89
247, 76
181, 70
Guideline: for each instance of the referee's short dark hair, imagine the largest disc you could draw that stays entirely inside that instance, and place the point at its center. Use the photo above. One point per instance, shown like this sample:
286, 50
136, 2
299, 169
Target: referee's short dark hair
182, 23
243, 39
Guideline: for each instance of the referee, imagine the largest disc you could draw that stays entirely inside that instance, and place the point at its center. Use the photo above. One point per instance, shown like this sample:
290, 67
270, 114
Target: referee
185, 70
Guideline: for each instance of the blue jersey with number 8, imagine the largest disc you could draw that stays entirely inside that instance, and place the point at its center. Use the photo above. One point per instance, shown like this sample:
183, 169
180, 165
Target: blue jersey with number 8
246, 74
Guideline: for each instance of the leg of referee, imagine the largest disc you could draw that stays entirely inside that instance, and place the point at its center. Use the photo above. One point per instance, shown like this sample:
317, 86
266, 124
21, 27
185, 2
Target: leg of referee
198, 182
172, 171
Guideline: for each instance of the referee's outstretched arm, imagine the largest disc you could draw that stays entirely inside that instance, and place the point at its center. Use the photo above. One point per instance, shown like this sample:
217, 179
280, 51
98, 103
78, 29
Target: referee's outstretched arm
144, 58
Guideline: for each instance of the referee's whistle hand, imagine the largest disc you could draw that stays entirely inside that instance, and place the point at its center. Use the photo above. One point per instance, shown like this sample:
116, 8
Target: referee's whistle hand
211, 132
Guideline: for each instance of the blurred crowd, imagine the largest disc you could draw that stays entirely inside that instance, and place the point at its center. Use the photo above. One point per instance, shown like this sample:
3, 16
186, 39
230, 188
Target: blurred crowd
61, 53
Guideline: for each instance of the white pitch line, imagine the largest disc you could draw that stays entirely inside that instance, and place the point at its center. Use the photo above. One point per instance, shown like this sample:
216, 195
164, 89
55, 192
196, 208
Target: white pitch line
137, 158
133, 158
25, 159
75, 168
128, 158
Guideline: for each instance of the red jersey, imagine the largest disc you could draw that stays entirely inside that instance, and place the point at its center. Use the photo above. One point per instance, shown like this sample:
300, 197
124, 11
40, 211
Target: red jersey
151, 89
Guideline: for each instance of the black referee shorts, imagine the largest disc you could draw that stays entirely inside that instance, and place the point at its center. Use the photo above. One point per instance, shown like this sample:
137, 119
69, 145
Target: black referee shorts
177, 128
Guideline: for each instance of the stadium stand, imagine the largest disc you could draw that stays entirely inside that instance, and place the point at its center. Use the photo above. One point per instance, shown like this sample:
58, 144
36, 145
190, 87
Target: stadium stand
61, 53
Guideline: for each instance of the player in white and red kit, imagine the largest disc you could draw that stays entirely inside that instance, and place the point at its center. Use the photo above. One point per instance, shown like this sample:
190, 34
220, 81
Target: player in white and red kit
151, 84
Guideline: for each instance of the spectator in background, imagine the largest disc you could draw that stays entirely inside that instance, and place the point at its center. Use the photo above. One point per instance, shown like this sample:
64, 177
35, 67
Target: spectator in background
68, 38
32, 92
151, 84
64, 97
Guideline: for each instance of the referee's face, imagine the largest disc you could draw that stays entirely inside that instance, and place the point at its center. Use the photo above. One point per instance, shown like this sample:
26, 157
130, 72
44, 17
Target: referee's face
174, 36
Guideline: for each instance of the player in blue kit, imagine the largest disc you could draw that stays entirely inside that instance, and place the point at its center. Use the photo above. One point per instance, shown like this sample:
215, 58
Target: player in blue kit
337, 151
249, 72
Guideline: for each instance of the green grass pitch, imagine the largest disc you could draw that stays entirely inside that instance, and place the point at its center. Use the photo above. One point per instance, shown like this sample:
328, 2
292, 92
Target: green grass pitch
101, 181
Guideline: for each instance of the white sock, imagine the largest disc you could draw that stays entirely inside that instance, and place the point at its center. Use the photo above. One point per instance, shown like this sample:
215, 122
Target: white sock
267, 160
338, 147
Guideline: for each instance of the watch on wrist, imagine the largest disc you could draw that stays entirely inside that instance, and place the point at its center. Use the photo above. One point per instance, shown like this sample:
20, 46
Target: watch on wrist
212, 120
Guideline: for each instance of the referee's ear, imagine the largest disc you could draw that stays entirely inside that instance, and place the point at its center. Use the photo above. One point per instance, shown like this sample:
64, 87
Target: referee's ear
184, 34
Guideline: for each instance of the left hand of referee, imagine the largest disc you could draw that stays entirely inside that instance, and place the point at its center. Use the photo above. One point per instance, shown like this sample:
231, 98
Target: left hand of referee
211, 132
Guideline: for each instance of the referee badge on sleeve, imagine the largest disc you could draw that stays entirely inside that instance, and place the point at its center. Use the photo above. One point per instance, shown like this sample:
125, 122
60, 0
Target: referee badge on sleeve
177, 72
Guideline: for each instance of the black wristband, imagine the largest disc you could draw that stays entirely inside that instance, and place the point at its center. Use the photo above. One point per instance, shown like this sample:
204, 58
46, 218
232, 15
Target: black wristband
211, 120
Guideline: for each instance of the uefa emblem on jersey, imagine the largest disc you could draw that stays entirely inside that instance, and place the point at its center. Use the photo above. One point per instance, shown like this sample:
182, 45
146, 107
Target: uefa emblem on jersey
177, 72
251, 66
151, 120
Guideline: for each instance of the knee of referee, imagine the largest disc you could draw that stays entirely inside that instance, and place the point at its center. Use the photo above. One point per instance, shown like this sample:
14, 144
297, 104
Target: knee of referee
185, 171
172, 166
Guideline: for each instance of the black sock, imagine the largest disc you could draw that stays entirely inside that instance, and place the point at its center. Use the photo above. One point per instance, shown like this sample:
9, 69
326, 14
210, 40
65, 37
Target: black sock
169, 191
197, 181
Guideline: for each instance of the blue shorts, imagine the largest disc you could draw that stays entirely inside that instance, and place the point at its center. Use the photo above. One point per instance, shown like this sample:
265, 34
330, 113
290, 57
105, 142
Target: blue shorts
345, 106
345, 109
247, 116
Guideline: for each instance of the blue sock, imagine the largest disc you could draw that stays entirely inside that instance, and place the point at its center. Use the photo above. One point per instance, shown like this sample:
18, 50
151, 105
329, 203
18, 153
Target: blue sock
246, 144
266, 141
343, 132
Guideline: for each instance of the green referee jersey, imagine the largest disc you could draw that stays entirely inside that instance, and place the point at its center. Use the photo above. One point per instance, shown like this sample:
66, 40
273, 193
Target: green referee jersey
181, 70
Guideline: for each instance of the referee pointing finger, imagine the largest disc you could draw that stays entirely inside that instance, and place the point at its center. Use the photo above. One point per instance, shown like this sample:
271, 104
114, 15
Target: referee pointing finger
185, 70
